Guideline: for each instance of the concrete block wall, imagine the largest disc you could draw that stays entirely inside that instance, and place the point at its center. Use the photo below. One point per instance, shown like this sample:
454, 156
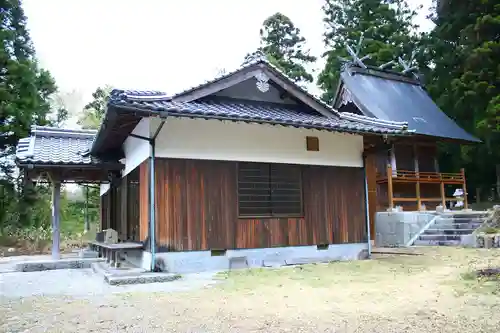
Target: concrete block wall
397, 228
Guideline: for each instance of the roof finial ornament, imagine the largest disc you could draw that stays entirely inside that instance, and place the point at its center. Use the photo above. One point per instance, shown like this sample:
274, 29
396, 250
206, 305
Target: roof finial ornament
407, 66
356, 60
260, 55
254, 57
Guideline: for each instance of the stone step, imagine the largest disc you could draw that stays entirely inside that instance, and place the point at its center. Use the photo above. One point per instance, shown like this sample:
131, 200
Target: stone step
460, 220
456, 225
141, 279
439, 237
470, 215
114, 276
53, 264
449, 231
436, 243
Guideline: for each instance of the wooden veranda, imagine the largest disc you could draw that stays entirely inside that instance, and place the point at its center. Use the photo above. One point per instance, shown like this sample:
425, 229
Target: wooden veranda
405, 188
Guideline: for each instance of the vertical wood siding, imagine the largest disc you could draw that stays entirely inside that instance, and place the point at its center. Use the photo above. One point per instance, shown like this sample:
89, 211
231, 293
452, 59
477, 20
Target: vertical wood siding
122, 204
133, 205
371, 179
197, 208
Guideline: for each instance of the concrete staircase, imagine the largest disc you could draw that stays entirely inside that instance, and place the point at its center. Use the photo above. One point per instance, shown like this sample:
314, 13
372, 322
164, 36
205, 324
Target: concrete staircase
451, 229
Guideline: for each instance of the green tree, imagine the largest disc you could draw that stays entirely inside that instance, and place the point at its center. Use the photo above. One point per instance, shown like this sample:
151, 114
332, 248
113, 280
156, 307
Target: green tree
465, 81
386, 26
25, 91
91, 118
93, 112
283, 45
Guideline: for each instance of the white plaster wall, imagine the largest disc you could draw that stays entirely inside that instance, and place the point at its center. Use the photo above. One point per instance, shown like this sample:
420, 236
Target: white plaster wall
230, 141
104, 188
137, 150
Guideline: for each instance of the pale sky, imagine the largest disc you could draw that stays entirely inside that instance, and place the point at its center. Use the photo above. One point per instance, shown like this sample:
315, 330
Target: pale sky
158, 44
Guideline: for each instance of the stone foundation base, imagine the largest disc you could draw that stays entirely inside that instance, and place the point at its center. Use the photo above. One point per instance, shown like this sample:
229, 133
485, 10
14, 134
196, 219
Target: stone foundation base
487, 241
199, 261
47, 265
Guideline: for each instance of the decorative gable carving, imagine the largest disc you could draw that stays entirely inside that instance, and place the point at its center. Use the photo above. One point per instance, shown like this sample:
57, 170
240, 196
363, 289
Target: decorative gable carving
262, 82
345, 96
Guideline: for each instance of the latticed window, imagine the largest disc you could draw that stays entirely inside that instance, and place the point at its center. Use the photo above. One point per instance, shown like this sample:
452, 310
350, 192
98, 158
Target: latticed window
266, 189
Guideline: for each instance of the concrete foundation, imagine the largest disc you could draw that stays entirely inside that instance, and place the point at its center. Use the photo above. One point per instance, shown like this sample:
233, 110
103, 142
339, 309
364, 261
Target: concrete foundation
136, 258
200, 261
398, 228
46, 265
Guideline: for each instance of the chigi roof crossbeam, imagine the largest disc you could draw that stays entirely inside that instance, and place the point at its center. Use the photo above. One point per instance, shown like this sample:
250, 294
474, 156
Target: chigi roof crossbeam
355, 54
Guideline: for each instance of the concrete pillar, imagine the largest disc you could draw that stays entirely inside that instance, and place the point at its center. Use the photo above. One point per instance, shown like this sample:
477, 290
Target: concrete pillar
56, 218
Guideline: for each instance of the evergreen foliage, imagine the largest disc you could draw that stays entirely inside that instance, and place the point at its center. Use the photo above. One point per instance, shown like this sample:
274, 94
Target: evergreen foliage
465, 82
386, 26
284, 46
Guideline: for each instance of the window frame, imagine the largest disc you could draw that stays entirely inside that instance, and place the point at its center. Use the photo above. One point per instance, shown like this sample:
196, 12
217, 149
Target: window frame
271, 216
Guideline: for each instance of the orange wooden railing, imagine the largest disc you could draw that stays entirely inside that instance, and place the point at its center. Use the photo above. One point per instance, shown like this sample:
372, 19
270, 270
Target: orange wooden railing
405, 176
431, 176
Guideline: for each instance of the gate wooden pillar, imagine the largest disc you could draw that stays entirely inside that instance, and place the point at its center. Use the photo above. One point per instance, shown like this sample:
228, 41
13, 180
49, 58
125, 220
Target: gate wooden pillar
56, 217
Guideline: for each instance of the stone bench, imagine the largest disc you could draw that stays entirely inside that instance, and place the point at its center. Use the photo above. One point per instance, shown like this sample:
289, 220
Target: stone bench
110, 251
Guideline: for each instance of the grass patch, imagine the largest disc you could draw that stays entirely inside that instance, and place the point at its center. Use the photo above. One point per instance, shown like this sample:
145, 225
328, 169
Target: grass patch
390, 267
471, 283
489, 230
38, 240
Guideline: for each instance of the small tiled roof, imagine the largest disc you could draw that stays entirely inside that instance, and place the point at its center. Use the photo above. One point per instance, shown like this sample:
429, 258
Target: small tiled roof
57, 146
252, 112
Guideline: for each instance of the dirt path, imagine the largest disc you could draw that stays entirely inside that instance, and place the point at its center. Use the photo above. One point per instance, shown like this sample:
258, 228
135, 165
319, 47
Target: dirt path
430, 293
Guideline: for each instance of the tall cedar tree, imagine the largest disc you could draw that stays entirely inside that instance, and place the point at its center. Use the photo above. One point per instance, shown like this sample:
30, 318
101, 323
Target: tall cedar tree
386, 27
465, 81
283, 45
25, 92
24, 87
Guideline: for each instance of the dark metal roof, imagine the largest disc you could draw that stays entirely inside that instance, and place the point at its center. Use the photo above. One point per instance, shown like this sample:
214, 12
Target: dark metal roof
57, 146
254, 112
386, 96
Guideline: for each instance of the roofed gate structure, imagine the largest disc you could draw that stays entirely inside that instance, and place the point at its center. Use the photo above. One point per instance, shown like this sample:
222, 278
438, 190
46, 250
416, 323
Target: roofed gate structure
248, 168
57, 156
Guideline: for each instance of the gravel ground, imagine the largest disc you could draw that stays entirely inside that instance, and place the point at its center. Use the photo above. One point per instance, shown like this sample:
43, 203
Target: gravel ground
431, 293
84, 282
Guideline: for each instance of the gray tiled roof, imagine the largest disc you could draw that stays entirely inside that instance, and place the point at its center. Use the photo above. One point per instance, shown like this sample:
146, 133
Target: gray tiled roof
50, 145
260, 60
255, 112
